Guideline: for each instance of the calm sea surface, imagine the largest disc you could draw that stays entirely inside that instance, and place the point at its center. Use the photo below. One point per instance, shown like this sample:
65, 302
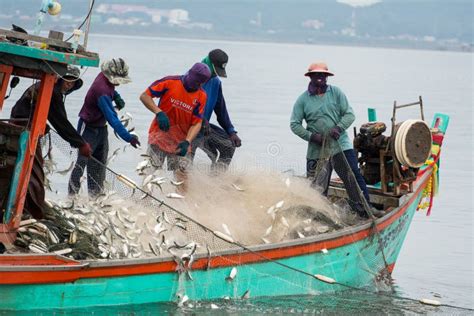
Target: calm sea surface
264, 80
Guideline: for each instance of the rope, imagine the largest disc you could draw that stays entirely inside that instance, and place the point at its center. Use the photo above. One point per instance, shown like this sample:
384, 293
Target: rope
63, 78
246, 248
275, 261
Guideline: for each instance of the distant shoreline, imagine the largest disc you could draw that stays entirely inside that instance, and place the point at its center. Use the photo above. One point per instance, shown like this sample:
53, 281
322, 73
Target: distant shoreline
283, 42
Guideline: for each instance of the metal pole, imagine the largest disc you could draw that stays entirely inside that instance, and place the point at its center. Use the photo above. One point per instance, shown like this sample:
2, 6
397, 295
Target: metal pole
88, 25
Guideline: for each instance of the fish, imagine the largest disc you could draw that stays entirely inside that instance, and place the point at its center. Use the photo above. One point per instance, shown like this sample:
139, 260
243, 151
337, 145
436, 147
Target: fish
174, 196
226, 229
268, 231
176, 183
237, 187
232, 274
150, 245
182, 299
65, 171
214, 306
180, 225
265, 240
125, 250
271, 209
223, 236
27, 222
208, 265
246, 295
279, 204
37, 249
147, 180
113, 156
188, 274
64, 251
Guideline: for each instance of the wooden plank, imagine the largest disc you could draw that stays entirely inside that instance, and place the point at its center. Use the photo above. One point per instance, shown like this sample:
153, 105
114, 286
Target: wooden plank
49, 55
374, 197
34, 38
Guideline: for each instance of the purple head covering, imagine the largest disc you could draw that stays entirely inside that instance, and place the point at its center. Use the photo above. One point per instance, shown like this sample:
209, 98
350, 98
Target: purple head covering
196, 76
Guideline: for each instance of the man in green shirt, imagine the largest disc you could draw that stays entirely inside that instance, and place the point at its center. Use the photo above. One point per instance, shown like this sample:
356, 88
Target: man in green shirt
327, 114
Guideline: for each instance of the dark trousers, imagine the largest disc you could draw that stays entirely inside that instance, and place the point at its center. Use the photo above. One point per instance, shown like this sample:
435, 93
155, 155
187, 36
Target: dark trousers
97, 137
338, 162
217, 145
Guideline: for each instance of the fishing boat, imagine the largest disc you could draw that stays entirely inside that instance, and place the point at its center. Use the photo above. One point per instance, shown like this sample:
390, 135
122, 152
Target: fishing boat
353, 257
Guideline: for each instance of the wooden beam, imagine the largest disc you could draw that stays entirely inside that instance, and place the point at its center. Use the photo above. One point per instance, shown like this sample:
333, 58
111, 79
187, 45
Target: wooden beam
5, 72
37, 130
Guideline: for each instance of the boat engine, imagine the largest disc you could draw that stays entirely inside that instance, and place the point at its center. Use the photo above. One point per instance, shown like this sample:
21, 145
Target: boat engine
369, 142
393, 160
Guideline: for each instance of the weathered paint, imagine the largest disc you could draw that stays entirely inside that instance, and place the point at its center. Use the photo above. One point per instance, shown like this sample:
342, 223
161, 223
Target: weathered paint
20, 158
48, 55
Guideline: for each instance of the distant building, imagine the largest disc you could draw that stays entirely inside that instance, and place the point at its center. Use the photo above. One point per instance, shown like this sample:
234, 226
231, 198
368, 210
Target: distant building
312, 24
178, 17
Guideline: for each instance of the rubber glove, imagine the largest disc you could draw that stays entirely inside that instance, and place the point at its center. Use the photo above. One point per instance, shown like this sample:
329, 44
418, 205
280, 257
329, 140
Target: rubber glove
119, 102
163, 121
335, 132
235, 140
85, 150
182, 148
134, 141
316, 138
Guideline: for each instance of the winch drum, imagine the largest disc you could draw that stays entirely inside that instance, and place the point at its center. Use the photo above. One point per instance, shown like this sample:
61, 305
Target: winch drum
412, 143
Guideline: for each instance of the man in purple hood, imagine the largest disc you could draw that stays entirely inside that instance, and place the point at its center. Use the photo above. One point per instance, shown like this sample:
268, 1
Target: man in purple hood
96, 112
178, 116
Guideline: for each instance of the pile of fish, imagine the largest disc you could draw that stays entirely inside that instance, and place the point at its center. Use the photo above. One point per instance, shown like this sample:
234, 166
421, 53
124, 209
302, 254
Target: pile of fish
298, 221
105, 228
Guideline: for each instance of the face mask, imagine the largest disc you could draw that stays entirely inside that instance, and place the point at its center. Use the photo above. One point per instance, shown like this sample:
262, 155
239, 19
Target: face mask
318, 84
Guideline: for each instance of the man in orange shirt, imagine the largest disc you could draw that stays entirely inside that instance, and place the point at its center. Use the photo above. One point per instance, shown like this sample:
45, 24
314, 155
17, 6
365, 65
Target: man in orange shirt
178, 116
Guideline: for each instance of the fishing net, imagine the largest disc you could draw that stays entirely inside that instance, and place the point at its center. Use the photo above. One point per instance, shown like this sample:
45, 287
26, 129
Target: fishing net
147, 213
142, 214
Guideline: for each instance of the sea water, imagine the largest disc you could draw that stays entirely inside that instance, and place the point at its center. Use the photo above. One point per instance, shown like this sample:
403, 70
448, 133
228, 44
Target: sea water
264, 80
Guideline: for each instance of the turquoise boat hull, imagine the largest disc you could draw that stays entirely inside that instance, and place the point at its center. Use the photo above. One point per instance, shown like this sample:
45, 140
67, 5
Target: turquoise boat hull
357, 262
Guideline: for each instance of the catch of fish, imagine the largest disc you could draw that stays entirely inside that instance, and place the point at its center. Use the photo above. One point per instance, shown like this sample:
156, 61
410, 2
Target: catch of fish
113, 226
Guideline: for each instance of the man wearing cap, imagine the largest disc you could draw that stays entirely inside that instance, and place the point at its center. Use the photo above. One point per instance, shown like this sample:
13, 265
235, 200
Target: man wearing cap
217, 141
178, 116
24, 108
96, 112
328, 114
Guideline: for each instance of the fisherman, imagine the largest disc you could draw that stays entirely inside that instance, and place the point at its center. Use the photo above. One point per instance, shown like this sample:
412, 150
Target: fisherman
178, 117
57, 117
96, 112
328, 114
218, 143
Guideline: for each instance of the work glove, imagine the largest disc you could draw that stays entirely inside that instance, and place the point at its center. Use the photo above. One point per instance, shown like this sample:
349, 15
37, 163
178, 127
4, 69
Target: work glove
85, 150
119, 102
206, 128
316, 138
335, 132
235, 140
134, 141
163, 121
182, 148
